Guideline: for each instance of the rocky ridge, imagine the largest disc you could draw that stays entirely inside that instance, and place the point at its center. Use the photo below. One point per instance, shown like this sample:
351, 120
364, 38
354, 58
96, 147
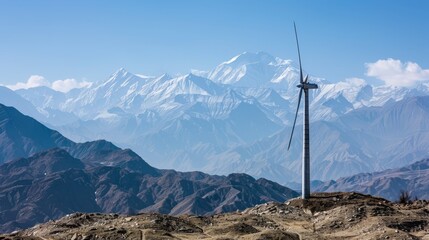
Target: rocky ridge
324, 216
52, 184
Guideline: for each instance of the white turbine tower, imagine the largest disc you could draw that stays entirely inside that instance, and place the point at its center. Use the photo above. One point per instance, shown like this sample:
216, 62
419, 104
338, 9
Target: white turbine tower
304, 86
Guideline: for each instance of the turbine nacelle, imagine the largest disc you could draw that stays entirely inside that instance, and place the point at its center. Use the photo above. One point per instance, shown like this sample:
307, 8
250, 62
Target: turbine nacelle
306, 85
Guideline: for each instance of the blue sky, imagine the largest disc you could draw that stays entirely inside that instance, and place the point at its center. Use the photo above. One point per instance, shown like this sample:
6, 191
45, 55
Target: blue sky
88, 40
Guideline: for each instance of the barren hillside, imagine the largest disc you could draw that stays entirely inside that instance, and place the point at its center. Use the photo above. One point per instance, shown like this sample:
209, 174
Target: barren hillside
324, 216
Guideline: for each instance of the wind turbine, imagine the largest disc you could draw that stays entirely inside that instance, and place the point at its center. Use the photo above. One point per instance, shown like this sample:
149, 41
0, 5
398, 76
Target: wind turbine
304, 86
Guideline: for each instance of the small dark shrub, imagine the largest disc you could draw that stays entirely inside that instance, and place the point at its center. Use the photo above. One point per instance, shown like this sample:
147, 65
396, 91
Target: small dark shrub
404, 197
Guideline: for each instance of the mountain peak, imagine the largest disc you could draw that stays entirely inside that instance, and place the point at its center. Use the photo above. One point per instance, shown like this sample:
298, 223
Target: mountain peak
250, 57
254, 70
144, 76
189, 75
163, 78
121, 72
119, 75
121, 69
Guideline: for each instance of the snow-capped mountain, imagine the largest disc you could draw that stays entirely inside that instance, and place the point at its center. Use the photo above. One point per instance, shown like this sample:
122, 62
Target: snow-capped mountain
235, 117
260, 71
254, 70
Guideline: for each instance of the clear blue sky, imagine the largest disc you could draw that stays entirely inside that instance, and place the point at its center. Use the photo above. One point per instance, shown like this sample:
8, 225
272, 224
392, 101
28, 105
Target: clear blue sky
90, 39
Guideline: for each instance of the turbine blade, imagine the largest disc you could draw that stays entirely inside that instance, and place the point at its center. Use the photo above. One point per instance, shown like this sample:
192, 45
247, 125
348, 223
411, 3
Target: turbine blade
306, 79
294, 121
301, 78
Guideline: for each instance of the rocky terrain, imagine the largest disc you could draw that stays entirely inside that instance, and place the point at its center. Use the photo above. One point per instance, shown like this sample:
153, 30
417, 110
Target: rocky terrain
324, 216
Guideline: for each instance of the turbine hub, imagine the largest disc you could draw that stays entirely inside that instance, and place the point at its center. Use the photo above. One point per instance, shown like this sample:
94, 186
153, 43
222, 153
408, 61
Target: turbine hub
307, 85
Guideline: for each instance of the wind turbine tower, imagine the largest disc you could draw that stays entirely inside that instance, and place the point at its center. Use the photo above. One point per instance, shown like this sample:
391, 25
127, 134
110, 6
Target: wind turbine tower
304, 86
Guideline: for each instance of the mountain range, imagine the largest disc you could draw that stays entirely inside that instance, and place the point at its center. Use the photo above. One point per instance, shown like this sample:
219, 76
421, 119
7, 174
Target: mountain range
237, 117
388, 184
44, 176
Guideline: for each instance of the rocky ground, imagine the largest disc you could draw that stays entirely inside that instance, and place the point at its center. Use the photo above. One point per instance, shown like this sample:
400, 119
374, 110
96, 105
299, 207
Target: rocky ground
324, 216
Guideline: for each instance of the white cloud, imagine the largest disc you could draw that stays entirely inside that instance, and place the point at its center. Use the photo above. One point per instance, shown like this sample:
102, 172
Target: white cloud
33, 81
58, 85
69, 84
394, 72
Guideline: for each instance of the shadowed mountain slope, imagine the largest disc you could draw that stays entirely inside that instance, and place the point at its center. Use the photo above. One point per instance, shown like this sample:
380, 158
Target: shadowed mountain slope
22, 136
51, 184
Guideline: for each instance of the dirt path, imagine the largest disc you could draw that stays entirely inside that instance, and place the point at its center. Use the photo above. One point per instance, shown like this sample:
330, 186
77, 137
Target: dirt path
142, 237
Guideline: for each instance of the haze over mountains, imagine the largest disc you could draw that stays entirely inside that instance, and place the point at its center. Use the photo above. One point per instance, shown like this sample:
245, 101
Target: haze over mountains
413, 178
236, 118
44, 176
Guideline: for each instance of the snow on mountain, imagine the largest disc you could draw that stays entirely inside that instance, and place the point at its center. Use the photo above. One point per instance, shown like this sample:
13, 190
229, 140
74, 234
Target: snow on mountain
279, 107
353, 90
254, 70
250, 72
200, 73
11, 98
105, 94
49, 103
146, 113
334, 99
189, 85
194, 117
229, 119
136, 94
385, 94
43, 97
